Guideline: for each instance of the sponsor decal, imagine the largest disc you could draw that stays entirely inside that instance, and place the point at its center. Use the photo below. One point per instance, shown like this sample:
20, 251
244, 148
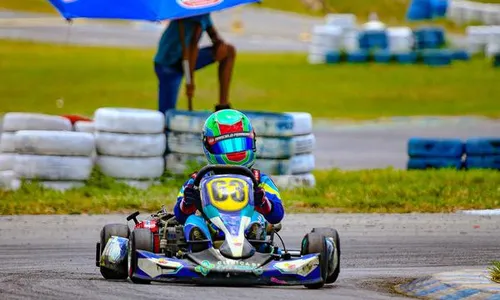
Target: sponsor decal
300, 267
194, 4
204, 268
240, 266
172, 266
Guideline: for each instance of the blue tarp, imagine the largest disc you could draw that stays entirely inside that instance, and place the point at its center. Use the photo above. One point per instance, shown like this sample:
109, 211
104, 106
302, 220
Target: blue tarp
141, 10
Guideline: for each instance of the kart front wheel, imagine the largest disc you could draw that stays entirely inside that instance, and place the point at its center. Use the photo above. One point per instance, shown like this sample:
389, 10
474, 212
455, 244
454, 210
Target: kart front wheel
335, 260
315, 242
140, 239
119, 230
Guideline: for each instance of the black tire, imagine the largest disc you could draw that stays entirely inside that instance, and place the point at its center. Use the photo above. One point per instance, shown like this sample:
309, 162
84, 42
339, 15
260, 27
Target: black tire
314, 242
332, 233
140, 239
120, 230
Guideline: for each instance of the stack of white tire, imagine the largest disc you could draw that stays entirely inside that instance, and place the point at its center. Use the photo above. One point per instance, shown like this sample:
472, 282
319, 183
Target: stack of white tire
130, 145
44, 148
285, 143
483, 39
464, 12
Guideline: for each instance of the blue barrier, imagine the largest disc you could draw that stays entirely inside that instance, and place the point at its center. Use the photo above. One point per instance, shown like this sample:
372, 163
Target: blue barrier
373, 39
406, 58
333, 57
435, 148
429, 37
439, 8
460, 54
382, 56
434, 162
359, 56
483, 162
437, 57
482, 146
420, 10
496, 60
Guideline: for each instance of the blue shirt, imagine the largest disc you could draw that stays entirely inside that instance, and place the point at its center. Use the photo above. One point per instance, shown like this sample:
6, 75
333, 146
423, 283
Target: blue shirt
170, 47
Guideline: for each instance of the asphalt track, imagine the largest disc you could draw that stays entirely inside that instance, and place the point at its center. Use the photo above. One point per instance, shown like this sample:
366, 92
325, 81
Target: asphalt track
52, 257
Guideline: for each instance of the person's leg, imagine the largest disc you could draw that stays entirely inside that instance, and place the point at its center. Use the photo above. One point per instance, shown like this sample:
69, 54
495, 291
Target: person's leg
169, 81
226, 66
206, 57
196, 229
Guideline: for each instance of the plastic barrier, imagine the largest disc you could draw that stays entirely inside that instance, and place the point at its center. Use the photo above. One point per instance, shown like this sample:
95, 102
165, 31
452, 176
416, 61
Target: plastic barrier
423, 163
482, 146
130, 144
284, 141
483, 162
429, 148
437, 57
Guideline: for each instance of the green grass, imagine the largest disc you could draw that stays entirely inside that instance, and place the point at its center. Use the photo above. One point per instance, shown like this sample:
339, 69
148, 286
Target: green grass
495, 271
35, 76
376, 191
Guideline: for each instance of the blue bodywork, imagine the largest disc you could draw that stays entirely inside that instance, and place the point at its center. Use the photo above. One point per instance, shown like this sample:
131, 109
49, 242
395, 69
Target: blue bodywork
300, 271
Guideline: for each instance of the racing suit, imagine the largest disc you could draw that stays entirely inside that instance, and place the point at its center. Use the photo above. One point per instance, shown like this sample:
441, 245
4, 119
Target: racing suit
273, 216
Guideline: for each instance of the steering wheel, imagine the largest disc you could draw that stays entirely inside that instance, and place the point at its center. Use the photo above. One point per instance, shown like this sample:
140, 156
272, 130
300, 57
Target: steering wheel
223, 169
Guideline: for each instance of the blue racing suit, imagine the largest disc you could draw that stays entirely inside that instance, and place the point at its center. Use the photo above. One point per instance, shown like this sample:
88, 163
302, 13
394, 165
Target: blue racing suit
272, 194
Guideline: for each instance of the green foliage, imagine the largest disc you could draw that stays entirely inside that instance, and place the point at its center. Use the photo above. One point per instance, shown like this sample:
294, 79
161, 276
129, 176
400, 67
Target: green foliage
370, 191
87, 78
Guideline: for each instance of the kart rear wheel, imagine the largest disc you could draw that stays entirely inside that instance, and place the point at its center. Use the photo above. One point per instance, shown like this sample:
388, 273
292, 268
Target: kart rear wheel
140, 239
331, 233
120, 230
314, 242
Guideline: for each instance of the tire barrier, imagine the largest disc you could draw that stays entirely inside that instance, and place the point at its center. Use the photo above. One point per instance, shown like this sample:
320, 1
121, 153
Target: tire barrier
427, 153
335, 42
482, 153
474, 153
133, 147
14, 122
130, 144
284, 142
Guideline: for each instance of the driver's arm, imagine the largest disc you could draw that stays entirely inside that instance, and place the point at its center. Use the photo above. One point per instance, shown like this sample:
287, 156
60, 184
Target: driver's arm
273, 195
180, 210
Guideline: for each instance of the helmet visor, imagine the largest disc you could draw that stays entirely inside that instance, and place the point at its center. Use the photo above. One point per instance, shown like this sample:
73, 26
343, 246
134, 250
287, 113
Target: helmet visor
231, 144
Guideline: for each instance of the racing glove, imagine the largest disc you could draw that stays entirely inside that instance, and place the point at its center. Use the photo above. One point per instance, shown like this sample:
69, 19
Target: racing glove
191, 197
262, 204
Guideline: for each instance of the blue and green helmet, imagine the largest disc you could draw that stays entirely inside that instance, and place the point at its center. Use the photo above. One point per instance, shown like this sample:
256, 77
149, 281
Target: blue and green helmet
229, 139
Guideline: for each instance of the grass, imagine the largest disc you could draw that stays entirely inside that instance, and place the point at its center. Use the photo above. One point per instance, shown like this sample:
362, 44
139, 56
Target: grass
495, 271
375, 191
36, 76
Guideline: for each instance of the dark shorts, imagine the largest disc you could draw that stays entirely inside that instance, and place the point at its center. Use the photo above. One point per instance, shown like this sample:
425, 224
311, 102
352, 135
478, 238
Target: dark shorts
170, 78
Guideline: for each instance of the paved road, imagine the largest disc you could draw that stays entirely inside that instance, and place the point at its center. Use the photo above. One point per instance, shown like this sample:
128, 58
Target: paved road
52, 257
263, 30
371, 145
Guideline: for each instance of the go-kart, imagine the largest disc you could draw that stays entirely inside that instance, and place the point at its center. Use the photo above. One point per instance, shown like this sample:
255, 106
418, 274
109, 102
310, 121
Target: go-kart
157, 248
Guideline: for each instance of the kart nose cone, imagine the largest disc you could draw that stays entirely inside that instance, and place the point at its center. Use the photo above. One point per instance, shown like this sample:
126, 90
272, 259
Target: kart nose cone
247, 250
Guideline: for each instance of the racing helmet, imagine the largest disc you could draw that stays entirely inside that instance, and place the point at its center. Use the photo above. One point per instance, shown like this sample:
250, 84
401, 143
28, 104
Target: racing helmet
229, 139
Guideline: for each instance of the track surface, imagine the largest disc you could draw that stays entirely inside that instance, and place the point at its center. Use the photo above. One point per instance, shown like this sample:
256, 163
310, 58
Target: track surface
52, 257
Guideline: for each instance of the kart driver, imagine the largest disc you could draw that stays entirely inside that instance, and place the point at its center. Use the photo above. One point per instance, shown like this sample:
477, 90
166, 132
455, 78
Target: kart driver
229, 138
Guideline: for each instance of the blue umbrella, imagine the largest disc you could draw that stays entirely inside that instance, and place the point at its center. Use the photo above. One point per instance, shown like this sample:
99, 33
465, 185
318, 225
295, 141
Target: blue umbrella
144, 10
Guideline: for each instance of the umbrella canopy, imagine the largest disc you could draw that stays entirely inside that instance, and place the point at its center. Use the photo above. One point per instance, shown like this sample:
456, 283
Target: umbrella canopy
141, 10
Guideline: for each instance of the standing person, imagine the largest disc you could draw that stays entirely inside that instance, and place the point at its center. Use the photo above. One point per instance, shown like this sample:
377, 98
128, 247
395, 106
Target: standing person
169, 56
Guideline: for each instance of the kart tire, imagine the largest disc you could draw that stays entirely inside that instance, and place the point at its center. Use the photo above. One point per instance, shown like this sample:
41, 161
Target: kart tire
140, 239
331, 233
314, 242
120, 230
